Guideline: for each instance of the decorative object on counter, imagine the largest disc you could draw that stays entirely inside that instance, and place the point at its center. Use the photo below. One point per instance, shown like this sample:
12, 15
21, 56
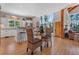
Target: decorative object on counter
23, 19
30, 17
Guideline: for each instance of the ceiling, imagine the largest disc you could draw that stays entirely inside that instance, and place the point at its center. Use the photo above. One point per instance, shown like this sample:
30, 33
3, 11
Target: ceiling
32, 9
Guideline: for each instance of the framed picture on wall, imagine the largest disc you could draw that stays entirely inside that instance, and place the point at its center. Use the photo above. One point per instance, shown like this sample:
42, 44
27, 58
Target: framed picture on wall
11, 23
17, 24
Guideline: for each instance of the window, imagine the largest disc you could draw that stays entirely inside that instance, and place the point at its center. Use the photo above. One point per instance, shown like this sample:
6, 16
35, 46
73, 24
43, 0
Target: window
47, 21
74, 22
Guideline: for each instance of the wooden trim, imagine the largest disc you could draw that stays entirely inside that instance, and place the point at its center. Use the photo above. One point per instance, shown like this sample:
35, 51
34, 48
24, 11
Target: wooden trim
58, 29
62, 23
72, 8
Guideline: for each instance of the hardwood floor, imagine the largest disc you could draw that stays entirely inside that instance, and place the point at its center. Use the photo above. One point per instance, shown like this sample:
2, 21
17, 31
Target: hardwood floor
59, 46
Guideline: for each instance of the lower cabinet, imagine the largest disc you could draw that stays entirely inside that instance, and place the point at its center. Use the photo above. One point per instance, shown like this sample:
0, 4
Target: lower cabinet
6, 33
19, 36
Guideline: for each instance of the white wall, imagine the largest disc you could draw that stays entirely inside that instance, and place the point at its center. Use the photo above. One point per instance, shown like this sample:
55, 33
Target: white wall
57, 16
4, 22
67, 20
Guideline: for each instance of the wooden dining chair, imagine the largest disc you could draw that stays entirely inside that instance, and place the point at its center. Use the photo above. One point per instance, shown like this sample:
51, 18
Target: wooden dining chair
47, 36
33, 43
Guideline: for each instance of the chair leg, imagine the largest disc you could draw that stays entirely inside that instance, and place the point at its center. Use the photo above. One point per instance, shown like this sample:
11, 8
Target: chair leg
47, 44
51, 42
32, 53
27, 49
41, 48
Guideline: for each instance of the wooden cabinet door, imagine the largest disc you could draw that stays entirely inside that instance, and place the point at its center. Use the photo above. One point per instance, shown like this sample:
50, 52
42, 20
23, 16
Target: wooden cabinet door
58, 29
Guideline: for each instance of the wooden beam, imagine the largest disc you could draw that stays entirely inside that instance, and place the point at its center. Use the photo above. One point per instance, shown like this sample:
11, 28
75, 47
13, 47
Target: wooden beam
62, 23
72, 8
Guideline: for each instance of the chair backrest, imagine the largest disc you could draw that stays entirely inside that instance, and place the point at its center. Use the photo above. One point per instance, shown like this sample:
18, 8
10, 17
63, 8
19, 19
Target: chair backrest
29, 34
48, 31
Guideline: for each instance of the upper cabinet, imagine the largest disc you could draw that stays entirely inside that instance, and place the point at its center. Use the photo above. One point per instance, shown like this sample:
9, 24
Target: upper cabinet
4, 22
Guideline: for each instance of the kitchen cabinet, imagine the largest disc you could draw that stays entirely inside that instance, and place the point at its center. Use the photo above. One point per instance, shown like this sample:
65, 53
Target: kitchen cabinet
8, 32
